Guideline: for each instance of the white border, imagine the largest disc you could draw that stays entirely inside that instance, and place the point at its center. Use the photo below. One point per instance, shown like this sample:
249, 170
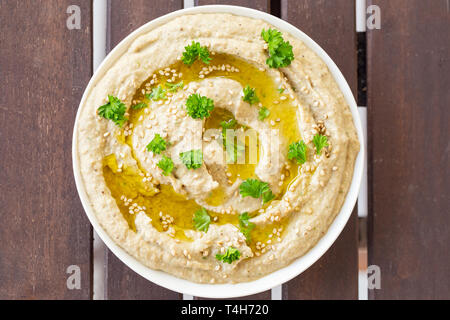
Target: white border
280, 276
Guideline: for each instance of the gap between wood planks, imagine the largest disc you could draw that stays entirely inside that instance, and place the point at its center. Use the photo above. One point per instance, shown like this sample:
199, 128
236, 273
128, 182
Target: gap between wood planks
99, 53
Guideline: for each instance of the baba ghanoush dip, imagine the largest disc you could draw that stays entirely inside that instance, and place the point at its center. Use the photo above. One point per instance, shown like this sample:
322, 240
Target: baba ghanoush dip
216, 148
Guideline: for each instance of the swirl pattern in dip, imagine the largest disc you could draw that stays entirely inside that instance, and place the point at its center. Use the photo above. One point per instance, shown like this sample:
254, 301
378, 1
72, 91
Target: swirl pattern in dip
274, 170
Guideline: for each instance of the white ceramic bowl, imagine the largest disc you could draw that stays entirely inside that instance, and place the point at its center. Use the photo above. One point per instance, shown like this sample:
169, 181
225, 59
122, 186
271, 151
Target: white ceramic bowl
278, 277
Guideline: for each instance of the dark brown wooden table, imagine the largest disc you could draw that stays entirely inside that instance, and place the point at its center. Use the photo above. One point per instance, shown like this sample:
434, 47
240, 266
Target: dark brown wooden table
44, 68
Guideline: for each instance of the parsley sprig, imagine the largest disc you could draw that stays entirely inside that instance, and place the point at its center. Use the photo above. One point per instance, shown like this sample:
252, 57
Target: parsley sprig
192, 159
199, 107
157, 145
173, 87
280, 51
166, 165
195, 51
320, 141
297, 150
230, 124
114, 110
256, 189
232, 254
234, 150
138, 106
157, 93
245, 225
250, 95
201, 220
263, 113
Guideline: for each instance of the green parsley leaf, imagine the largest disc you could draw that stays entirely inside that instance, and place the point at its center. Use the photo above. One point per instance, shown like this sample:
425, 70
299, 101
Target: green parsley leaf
256, 189
173, 87
158, 93
244, 219
229, 256
320, 142
192, 159
268, 196
297, 150
280, 51
230, 124
280, 90
234, 150
250, 95
253, 188
195, 51
201, 220
166, 165
157, 145
203, 54
199, 107
263, 113
245, 225
114, 110
138, 106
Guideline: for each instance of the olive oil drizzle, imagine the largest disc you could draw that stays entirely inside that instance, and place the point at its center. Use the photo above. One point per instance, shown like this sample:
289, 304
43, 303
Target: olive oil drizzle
129, 182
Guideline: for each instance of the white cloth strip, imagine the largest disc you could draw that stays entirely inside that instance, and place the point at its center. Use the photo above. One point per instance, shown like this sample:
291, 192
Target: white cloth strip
362, 285
277, 292
362, 196
99, 53
360, 15
188, 3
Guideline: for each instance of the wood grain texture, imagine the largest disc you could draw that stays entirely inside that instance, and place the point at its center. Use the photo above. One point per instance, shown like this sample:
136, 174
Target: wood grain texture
125, 17
262, 5
331, 24
124, 284
44, 70
408, 122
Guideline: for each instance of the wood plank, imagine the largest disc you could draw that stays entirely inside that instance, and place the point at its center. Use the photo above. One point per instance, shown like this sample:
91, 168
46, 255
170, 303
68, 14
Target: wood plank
126, 16
262, 5
408, 101
332, 25
44, 70
124, 284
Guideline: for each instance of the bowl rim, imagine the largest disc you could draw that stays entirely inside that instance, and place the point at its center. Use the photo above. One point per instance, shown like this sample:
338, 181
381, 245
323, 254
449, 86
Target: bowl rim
275, 278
